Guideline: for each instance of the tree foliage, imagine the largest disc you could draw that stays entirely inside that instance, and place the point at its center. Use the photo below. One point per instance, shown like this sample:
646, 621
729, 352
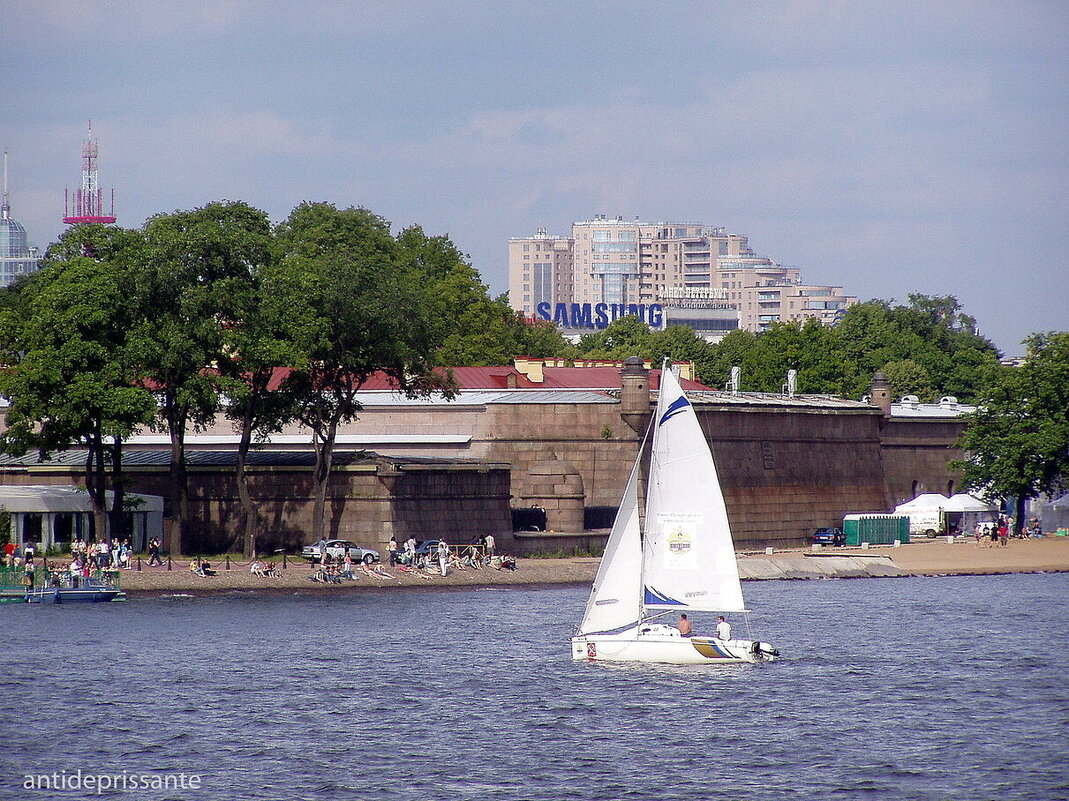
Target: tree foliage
930, 347
196, 268
71, 374
1017, 441
359, 306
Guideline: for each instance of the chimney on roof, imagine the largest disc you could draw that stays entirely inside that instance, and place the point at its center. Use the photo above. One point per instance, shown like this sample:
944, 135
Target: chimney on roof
532, 368
880, 394
635, 393
510, 381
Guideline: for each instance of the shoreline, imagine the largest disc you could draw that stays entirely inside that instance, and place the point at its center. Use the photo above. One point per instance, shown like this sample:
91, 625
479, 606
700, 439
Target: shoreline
922, 558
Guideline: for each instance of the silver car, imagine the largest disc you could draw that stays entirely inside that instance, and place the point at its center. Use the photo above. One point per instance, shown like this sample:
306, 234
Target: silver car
336, 552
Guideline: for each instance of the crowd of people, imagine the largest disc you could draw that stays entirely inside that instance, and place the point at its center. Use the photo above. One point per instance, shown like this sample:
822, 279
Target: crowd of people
87, 560
997, 533
427, 560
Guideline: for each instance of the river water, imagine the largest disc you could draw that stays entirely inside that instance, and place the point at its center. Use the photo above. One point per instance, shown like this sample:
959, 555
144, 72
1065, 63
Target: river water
911, 688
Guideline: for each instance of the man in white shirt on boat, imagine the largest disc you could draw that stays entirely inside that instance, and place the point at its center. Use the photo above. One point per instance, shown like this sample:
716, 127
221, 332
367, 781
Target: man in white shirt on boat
723, 629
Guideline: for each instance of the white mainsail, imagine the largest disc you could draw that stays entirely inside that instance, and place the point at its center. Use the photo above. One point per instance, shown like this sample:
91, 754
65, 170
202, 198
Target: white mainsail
616, 598
689, 558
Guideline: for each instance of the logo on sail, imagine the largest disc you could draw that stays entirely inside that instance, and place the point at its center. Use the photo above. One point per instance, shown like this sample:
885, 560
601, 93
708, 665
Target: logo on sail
676, 406
679, 542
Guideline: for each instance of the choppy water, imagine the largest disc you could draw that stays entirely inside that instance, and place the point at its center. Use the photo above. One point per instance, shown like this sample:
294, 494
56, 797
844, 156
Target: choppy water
948, 688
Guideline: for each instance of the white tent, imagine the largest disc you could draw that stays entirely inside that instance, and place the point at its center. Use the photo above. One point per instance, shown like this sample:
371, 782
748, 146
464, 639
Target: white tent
963, 502
930, 501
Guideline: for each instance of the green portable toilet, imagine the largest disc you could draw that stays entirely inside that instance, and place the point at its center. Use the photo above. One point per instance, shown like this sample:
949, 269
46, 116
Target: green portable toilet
875, 529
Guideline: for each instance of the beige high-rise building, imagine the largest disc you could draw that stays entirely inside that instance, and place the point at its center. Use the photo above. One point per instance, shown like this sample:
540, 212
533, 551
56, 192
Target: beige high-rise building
617, 262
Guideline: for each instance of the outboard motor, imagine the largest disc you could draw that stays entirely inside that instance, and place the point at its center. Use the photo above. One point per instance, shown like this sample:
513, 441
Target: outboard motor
763, 650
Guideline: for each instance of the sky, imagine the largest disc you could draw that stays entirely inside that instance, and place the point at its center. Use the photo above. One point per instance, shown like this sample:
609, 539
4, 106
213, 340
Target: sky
889, 148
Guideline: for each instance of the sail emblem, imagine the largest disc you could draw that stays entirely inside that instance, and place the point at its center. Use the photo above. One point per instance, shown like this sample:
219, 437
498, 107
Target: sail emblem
679, 541
677, 406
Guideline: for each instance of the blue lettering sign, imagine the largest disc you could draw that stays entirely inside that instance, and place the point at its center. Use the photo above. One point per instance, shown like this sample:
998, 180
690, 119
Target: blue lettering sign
598, 315
581, 316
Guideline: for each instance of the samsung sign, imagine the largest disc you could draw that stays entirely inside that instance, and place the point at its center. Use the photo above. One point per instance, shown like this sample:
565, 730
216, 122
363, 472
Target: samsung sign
598, 315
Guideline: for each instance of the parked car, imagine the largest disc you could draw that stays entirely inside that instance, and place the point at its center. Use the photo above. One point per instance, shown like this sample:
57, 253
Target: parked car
427, 548
336, 551
830, 535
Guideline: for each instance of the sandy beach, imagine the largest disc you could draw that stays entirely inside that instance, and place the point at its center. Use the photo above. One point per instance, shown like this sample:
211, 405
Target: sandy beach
925, 557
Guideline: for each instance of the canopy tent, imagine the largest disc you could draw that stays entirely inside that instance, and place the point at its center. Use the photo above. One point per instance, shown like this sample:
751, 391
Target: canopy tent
930, 501
1055, 515
963, 502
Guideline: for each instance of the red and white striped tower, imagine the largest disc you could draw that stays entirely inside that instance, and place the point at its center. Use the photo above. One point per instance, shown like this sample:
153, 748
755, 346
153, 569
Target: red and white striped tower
88, 201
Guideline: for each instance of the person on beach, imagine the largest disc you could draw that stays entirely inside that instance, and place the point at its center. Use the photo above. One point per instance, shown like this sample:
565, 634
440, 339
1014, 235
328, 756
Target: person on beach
1003, 532
489, 545
392, 547
381, 571
410, 551
443, 557
685, 629
723, 629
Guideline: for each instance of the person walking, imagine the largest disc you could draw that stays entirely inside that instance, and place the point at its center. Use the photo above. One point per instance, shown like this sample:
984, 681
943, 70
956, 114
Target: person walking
490, 545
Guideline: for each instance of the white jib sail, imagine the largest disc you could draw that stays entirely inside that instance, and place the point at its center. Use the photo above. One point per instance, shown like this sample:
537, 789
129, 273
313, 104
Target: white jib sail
689, 558
615, 601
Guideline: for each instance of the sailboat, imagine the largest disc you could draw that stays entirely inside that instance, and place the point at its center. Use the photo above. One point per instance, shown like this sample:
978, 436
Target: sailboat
681, 560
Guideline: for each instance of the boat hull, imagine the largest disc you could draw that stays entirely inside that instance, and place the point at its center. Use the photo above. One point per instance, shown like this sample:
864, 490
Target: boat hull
67, 595
668, 649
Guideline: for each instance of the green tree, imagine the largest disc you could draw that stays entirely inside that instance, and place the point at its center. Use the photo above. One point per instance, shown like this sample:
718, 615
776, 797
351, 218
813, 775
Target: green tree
622, 338
257, 343
909, 378
1017, 442
196, 270
358, 308
70, 375
473, 328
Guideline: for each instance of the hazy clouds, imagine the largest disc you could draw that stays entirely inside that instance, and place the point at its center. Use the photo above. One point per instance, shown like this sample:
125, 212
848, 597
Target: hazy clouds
888, 147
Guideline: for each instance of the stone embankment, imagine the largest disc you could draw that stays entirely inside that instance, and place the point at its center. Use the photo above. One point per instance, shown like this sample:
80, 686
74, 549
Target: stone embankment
922, 558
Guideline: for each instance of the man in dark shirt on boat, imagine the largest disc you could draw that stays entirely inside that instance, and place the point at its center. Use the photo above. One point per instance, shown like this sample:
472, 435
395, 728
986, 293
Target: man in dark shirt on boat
685, 629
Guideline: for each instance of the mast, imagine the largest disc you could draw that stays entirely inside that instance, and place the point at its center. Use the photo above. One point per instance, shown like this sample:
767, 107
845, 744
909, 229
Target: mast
655, 425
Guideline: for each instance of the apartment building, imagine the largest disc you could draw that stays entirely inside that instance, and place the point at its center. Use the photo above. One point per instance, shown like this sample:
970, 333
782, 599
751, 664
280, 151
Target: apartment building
621, 263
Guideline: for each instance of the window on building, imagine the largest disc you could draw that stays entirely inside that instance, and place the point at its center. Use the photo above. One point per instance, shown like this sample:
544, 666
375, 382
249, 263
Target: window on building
526, 248
603, 236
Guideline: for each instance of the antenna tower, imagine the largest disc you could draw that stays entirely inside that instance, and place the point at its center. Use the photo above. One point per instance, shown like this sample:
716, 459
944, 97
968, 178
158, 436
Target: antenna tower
88, 201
